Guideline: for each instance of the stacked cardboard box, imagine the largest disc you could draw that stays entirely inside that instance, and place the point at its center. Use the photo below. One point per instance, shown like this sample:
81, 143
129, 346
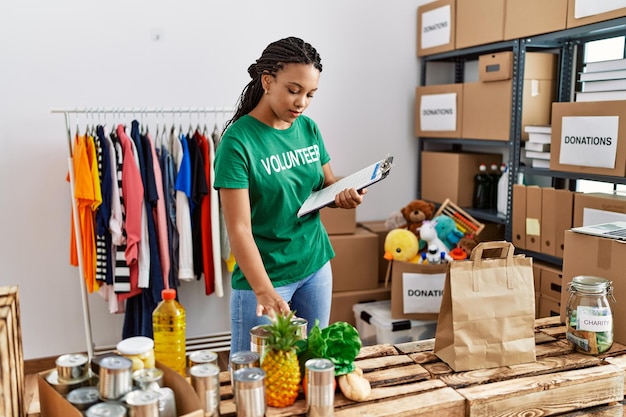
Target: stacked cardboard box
11, 354
356, 270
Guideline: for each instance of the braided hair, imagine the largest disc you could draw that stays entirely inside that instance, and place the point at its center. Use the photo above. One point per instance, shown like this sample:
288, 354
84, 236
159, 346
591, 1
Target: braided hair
273, 59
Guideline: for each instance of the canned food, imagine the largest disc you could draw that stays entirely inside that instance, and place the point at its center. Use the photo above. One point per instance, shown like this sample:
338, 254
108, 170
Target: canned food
206, 382
258, 338
106, 409
148, 378
65, 388
115, 377
143, 403
301, 324
202, 356
320, 376
83, 397
167, 402
250, 388
139, 349
240, 360
72, 366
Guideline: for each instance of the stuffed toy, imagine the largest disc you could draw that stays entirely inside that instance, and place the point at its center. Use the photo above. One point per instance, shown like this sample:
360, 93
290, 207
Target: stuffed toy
411, 217
401, 245
447, 231
464, 248
436, 251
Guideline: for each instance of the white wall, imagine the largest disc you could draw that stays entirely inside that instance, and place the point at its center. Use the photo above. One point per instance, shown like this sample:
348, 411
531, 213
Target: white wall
96, 53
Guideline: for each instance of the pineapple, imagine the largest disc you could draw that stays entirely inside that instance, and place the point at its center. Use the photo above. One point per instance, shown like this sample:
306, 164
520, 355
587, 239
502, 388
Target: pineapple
280, 362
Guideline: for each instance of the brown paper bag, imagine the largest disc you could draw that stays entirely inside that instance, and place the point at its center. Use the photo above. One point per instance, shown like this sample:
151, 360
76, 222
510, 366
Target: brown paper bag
487, 316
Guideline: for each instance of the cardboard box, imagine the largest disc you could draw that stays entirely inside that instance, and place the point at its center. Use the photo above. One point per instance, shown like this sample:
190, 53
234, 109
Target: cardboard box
479, 22
599, 155
539, 90
598, 207
451, 175
487, 110
338, 221
495, 67
549, 211
579, 17
355, 265
438, 110
381, 231
53, 404
533, 218
601, 257
518, 223
436, 27
548, 307
416, 287
343, 301
551, 282
523, 18
564, 218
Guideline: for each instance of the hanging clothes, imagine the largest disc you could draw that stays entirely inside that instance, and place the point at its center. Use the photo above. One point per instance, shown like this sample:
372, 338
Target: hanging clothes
180, 152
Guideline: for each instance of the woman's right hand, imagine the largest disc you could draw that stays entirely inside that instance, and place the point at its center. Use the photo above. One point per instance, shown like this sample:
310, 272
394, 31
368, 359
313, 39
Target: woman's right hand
269, 303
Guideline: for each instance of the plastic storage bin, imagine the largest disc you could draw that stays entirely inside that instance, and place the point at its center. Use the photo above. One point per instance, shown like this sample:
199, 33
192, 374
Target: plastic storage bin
375, 325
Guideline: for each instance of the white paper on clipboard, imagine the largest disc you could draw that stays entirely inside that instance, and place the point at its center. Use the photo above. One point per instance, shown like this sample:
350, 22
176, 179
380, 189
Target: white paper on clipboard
360, 179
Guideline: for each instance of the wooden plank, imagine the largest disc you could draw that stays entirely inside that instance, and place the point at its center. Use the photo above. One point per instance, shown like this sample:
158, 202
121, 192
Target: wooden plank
416, 346
542, 366
10, 313
388, 362
615, 410
544, 322
549, 394
424, 357
441, 402
395, 376
376, 351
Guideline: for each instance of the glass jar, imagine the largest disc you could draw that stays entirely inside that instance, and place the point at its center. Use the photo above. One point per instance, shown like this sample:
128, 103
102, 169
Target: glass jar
139, 349
589, 316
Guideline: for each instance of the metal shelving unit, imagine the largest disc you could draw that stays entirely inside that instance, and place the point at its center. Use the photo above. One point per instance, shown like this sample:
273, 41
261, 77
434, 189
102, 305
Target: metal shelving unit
567, 44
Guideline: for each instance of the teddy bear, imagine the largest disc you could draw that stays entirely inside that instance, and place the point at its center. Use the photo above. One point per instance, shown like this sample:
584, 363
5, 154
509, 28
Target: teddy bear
411, 217
464, 247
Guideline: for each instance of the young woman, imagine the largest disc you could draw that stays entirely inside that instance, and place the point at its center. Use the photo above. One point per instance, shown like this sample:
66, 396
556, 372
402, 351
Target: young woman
269, 160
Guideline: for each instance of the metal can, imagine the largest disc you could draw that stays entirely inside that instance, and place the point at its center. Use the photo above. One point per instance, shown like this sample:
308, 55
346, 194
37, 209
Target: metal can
83, 397
106, 409
148, 378
250, 388
72, 367
202, 356
302, 325
115, 377
167, 402
320, 376
143, 403
240, 360
205, 380
65, 388
258, 338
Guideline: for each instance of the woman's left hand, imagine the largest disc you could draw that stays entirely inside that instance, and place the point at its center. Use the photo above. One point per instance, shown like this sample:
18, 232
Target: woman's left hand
349, 198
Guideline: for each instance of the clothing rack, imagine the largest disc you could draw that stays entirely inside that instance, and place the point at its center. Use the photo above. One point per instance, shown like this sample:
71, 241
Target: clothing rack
116, 111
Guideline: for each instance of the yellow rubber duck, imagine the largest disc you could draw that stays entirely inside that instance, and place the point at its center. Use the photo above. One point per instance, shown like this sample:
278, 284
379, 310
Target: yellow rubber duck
401, 245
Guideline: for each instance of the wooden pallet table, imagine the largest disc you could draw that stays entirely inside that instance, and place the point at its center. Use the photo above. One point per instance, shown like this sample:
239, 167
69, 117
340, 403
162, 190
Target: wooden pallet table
409, 380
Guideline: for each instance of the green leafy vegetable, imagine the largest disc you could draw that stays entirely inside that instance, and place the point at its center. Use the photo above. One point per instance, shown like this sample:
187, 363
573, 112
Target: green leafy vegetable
339, 342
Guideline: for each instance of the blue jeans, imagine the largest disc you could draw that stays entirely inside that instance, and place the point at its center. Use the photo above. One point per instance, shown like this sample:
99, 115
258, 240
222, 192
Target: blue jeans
310, 298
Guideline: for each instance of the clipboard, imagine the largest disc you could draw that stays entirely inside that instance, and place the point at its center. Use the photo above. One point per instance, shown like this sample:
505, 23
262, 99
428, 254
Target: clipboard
363, 178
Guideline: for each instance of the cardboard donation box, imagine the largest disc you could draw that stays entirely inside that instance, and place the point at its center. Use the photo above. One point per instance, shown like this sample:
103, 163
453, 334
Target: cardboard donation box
416, 290
479, 22
438, 110
355, 265
450, 175
436, 23
584, 12
589, 137
525, 18
595, 208
338, 221
600, 257
54, 404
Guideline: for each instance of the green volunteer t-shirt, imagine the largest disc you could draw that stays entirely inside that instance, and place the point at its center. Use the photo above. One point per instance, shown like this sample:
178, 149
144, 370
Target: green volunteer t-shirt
279, 168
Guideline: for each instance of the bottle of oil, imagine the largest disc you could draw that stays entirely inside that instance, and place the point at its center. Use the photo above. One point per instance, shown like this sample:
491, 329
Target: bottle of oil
169, 323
